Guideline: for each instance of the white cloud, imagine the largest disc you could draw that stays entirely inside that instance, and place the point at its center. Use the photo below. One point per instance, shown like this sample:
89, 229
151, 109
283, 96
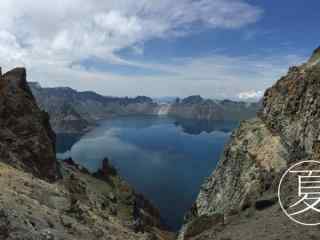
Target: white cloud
10, 50
70, 30
251, 95
49, 36
217, 76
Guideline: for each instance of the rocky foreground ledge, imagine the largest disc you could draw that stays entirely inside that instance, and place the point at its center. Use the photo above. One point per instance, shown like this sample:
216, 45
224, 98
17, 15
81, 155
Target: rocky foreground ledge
42, 198
239, 200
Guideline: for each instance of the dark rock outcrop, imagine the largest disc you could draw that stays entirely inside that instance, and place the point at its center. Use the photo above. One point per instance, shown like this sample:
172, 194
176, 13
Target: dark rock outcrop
106, 170
26, 138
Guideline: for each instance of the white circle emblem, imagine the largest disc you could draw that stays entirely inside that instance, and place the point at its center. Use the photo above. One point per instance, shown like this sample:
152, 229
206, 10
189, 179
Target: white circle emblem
299, 193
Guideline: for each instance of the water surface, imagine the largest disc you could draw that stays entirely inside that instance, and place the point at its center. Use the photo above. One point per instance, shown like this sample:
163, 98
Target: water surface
165, 159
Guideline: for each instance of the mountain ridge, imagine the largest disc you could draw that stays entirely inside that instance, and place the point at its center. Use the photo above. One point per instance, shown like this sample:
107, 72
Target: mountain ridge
196, 107
73, 112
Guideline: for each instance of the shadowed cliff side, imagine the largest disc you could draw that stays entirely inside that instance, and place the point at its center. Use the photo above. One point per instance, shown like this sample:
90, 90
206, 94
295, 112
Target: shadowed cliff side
26, 138
239, 200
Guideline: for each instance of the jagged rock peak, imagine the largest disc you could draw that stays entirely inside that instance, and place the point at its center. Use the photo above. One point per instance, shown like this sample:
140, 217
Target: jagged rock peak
26, 138
17, 77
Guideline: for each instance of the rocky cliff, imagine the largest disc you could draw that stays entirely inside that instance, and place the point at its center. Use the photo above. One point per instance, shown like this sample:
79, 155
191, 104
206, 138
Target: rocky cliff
239, 200
42, 198
195, 107
26, 138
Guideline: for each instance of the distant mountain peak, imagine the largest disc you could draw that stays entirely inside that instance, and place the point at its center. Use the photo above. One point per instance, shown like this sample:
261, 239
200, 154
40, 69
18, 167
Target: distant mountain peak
192, 99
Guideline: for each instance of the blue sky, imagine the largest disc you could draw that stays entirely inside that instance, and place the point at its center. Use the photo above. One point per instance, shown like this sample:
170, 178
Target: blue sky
216, 48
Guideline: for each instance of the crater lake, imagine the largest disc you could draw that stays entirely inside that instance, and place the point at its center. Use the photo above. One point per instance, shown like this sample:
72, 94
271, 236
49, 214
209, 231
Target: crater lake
163, 158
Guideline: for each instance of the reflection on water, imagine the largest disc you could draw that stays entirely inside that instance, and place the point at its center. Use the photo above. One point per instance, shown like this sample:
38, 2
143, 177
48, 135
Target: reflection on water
199, 126
165, 159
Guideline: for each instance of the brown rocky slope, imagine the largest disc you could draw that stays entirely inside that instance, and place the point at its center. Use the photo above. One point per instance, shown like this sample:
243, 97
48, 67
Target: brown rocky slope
42, 198
239, 200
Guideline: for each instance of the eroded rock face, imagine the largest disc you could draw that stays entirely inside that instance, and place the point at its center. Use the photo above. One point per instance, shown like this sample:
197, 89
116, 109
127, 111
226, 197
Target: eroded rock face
247, 168
291, 108
26, 138
243, 187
